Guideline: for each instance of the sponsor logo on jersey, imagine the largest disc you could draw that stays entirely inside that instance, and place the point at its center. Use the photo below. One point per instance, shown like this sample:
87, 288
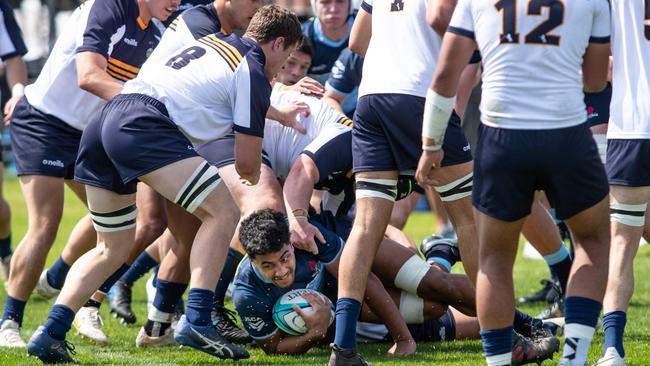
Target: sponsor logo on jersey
57, 163
254, 322
591, 113
131, 42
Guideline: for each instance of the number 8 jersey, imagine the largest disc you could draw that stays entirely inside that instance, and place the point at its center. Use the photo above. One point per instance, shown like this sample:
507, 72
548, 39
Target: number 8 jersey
210, 86
532, 52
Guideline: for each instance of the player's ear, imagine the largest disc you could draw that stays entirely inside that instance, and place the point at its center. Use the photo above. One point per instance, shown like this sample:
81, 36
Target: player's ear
278, 43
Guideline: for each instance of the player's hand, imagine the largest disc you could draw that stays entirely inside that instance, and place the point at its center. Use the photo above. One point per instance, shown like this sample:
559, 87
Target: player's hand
429, 162
302, 234
402, 348
9, 108
318, 319
289, 113
309, 86
249, 179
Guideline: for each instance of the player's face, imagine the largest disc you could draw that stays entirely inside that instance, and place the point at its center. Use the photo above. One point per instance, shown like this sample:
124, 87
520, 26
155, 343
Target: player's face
332, 13
276, 57
162, 9
277, 267
242, 12
294, 69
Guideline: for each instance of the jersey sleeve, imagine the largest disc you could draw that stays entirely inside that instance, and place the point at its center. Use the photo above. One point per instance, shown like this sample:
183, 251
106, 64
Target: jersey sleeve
256, 314
601, 29
346, 73
11, 40
367, 6
104, 20
252, 99
330, 250
462, 22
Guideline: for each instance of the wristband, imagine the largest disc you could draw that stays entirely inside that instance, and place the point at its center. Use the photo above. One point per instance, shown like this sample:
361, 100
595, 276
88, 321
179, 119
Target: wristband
437, 110
299, 212
18, 90
431, 147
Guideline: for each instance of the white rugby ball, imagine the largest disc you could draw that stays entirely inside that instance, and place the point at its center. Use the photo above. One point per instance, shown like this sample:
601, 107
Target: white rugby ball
287, 319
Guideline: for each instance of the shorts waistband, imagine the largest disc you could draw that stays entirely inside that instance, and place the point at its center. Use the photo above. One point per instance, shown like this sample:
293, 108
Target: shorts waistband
160, 106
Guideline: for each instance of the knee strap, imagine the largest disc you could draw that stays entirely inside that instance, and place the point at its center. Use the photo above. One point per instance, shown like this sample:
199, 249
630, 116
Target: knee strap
122, 219
412, 308
630, 215
199, 185
460, 188
376, 188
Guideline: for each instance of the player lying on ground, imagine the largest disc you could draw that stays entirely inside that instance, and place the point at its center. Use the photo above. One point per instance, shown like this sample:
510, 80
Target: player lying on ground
273, 267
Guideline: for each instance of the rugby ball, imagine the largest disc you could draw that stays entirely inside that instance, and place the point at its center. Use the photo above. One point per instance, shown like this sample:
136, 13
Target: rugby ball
287, 319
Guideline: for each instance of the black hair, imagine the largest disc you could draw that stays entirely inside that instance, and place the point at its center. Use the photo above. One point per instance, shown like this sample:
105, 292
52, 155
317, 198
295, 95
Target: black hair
263, 232
307, 47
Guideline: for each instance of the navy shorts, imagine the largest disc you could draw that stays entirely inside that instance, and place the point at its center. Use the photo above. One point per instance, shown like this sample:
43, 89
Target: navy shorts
510, 165
128, 138
42, 144
387, 135
628, 162
221, 152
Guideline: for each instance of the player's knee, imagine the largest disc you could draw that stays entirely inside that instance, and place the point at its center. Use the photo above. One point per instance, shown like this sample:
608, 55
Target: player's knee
197, 187
151, 228
376, 188
44, 228
411, 274
118, 220
415, 310
456, 190
434, 310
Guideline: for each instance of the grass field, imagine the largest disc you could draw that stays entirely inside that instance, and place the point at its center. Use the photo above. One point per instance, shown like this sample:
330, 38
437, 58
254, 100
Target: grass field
122, 351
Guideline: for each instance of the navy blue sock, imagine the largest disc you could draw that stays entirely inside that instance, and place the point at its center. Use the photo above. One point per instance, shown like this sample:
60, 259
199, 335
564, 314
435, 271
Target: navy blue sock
581, 310
560, 265
5, 247
59, 321
227, 275
497, 345
14, 310
57, 273
521, 323
113, 278
347, 314
199, 306
614, 326
168, 295
443, 255
139, 268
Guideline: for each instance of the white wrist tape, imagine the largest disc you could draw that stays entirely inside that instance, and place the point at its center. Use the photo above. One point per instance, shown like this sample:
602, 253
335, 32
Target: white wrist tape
437, 110
18, 90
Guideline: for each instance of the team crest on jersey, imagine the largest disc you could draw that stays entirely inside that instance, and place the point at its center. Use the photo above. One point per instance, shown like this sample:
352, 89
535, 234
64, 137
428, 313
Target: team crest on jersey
397, 5
254, 322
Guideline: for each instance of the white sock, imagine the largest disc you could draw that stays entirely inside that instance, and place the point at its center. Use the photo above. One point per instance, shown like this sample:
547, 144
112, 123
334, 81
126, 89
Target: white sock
503, 359
577, 338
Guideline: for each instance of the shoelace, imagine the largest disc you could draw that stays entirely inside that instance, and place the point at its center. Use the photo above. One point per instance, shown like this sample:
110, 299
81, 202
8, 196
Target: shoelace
95, 319
14, 337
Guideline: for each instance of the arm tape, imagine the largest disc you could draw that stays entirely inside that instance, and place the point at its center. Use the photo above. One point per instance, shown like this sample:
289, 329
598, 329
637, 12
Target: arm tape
437, 110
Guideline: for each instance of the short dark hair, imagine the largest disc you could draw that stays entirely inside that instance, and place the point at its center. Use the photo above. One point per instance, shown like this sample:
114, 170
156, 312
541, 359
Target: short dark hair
263, 232
306, 47
273, 21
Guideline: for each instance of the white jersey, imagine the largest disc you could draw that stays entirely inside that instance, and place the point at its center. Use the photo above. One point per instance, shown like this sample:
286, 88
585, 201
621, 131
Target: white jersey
630, 107
210, 87
403, 49
283, 144
111, 28
531, 56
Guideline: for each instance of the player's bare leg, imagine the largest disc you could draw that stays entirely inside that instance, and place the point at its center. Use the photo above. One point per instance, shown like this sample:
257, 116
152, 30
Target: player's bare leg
628, 205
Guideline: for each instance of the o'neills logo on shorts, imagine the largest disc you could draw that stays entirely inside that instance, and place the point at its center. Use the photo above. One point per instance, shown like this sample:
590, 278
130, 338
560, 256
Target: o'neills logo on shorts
57, 163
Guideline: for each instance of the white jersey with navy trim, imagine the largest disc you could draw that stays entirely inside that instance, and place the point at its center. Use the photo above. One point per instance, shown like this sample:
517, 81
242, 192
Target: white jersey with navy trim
192, 24
532, 52
111, 28
630, 107
210, 87
283, 144
403, 49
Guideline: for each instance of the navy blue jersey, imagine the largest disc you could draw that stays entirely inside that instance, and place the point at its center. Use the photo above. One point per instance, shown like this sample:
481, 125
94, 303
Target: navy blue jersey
345, 79
254, 296
598, 106
326, 51
111, 28
11, 40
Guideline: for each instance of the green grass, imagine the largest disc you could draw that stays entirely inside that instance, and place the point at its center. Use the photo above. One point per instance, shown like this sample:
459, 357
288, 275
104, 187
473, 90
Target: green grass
122, 351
